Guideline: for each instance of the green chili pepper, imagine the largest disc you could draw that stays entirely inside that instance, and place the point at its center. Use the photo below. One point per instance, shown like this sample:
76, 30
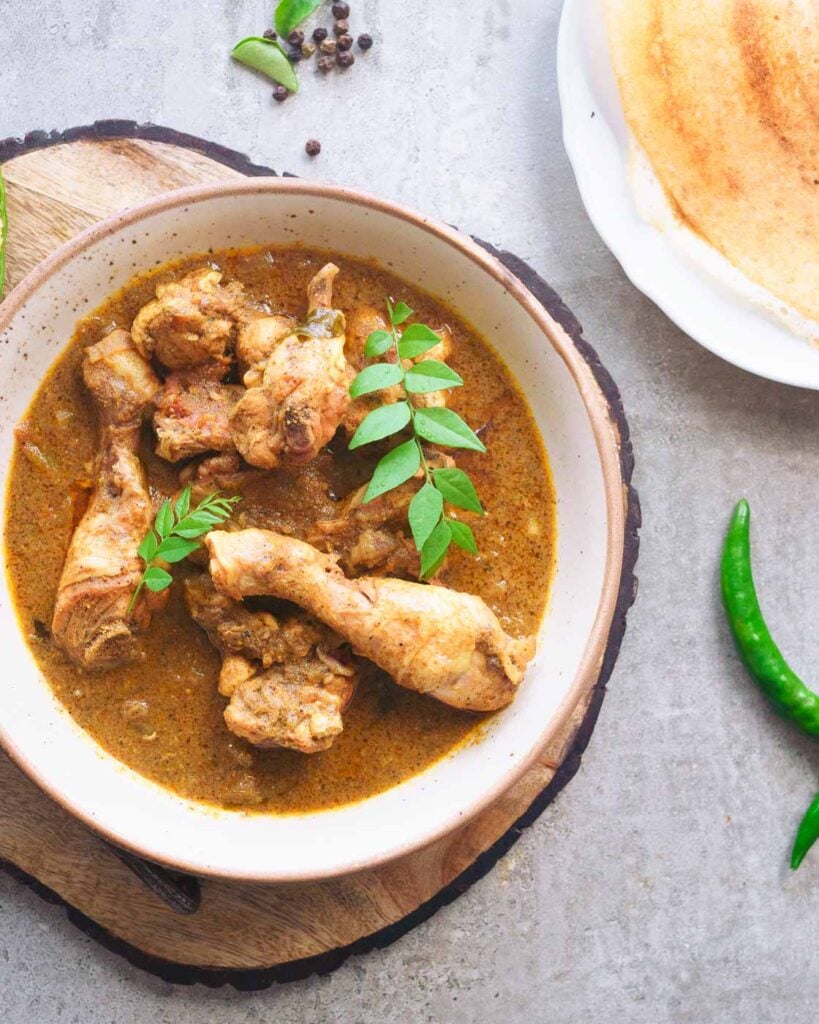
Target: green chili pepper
807, 835
761, 656
4, 225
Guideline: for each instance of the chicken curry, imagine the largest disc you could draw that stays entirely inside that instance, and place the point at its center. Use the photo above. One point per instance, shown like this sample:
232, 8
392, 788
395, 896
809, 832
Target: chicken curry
303, 657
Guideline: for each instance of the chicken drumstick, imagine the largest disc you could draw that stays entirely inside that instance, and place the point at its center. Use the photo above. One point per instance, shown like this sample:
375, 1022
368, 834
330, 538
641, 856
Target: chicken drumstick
91, 619
428, 638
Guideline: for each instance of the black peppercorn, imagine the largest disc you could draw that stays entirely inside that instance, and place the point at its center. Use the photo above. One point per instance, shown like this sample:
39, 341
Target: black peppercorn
345, 59
341, 10
319, 34
296, 37
280, 93
294, 56
328, 46
341, 28
270, 33
326, 64
345, 42
313, 147
365, 41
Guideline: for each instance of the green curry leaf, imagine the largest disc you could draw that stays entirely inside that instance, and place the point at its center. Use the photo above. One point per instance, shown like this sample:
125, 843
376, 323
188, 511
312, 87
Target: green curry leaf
399, 313
435, 549
376, 378
424, 513
183, 504
457, 489
148, 547
377, 344
267, 56
416, 340
174, 549
397, 466
156, 579
381, 423
444, 426
431, 375
291, 13
463, 536
164, 519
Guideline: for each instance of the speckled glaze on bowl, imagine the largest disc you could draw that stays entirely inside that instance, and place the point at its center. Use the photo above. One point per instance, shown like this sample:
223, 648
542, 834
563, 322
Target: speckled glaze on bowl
37, 319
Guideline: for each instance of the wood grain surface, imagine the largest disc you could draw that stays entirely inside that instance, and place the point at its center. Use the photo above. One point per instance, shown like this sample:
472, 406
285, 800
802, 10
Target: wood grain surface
55, 191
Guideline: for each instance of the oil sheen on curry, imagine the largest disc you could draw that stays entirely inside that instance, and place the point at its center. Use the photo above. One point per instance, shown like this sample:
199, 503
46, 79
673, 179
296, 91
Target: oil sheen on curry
302, 657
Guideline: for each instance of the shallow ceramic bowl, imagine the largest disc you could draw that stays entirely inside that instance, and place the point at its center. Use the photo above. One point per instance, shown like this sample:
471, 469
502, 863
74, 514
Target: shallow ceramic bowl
36, 321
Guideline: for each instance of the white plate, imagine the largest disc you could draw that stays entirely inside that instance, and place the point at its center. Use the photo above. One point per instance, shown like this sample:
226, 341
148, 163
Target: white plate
37, 319
693, 284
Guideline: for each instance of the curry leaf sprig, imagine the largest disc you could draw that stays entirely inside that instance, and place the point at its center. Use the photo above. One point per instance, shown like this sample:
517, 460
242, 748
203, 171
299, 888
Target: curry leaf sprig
177, 531
433, 530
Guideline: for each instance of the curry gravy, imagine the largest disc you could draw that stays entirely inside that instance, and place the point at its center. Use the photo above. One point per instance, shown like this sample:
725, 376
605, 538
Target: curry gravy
163, 716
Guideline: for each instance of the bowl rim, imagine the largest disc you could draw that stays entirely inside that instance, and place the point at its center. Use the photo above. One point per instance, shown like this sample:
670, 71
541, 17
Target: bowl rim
607, 442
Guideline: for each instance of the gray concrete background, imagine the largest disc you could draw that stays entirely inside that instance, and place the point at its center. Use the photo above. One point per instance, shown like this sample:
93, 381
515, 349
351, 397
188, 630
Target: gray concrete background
655, 889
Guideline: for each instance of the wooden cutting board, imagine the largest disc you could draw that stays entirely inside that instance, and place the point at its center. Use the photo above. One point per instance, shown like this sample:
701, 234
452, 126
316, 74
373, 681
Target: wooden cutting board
247, 935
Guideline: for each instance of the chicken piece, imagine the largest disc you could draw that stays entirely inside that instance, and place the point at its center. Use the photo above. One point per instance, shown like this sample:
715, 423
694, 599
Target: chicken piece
360, 325
376, 537
287, 682
191, 321
192, 413
120, 381
224, 472
234, 629
258, 337
91, 622
428, 638
303, 396
297, 705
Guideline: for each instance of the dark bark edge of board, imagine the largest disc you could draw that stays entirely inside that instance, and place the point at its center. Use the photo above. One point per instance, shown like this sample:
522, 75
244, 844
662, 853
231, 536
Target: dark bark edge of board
324, 963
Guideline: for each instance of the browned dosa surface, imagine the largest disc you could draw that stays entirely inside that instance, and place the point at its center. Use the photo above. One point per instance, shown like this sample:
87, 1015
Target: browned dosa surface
723, 96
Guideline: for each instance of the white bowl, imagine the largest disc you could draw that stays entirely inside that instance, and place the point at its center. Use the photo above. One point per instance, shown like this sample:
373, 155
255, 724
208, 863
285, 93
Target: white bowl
37, 319
689, 280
